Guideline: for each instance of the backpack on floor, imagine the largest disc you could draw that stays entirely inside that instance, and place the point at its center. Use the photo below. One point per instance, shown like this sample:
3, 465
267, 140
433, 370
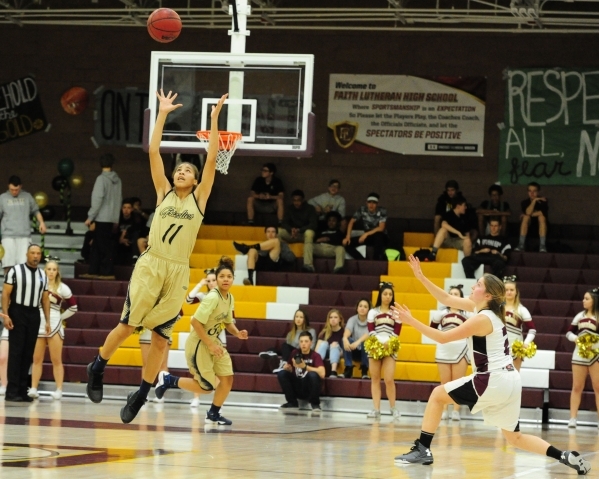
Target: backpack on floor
424, 254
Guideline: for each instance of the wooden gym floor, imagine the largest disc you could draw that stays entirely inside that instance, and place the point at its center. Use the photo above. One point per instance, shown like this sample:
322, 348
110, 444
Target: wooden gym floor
74, 438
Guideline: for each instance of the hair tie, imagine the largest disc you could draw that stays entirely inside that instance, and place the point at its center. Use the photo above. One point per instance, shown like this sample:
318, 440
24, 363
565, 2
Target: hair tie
509, 279
385, 283
458, 286
595, 290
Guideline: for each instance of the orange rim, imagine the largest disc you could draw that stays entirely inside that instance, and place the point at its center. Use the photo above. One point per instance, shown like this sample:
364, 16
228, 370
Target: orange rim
227, 139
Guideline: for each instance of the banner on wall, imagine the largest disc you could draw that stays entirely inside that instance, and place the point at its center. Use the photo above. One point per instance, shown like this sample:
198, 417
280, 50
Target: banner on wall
119, 116
406, 114
21, 112
550, 132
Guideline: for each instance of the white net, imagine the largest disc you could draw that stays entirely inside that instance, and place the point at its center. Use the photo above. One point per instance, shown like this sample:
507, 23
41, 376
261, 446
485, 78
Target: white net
227, 144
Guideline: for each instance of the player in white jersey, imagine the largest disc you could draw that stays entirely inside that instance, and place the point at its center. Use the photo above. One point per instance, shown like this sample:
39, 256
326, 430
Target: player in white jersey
585, 323
452, 358
494, 387
161, 275
518, 319
59, 293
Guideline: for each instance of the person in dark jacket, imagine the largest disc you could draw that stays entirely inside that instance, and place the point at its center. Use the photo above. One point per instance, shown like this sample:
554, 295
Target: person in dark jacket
300, 221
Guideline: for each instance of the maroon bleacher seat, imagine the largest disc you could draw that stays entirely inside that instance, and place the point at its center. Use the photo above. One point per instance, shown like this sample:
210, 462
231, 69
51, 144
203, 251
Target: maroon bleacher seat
569, 261
583, 288
93, 337
249, 363
552, 324
117, 303
319, 312
82, 319
272, 328
533, 398
563, 276
79, 286
549, 307
256, 345
527, 275
236, 345
302, 280
531, 290
268, 383
563, 380
108, 288
561, 399
554, 342
325, 297
365, 283
93, 303
373, 268
271, 278
351, 298
565, 292
412, 391
72, 337
563, 361
334, 281
536, 260
590, 277
108, 320
248, 324
342, 387
78, 355
592, 261
244, 382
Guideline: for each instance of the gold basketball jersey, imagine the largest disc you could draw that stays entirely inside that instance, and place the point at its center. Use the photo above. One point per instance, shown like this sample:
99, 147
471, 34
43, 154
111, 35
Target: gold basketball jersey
175, 226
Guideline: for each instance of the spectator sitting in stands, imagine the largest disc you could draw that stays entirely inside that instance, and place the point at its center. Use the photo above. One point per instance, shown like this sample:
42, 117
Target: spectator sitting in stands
270, 255
300, 323
535, 207
493, 207
267, 194
492, 249
452, 190
356, 332
329, 201
374, 220
328, 243
302, 375
128, 234
331, 338
454, 229
300, 220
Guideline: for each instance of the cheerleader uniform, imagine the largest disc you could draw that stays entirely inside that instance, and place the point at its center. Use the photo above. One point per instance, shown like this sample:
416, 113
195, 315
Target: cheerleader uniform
518, 322
383, 326
450, 353
581, 325
63, 293
495, 387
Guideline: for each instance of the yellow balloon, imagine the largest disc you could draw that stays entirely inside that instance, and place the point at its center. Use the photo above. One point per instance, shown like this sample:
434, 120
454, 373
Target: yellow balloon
76, 181
41, 199
1, 251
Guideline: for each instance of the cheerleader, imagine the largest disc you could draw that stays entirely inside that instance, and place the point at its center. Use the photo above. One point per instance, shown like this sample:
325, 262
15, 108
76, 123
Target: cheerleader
59, 293
518, 319
382, 325
452, 358
583, 324
206, 358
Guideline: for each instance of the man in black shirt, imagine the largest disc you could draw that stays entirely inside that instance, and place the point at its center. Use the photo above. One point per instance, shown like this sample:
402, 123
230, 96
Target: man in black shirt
266, 195
300, 221
327, 243
534, 208
492, 249
452, 190
493, 207
454, 229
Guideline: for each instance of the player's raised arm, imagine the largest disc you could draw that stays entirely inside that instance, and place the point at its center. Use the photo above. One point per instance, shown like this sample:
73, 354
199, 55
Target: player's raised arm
205, 187
159, 178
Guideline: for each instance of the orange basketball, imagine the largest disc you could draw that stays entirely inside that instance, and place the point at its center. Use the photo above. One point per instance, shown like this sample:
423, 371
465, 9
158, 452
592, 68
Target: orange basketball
74, 100
164, 25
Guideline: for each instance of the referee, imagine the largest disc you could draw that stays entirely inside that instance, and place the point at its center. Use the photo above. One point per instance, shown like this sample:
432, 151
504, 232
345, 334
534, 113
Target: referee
25, 289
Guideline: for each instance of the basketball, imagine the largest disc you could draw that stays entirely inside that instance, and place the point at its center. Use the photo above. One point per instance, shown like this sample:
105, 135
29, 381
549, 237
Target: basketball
164, 25
74, 100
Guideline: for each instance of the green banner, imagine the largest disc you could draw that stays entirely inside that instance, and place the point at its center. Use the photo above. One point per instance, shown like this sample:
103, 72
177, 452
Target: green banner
550, 132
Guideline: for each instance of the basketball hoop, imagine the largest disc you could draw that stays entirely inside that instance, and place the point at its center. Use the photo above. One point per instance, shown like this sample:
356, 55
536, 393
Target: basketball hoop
227, 144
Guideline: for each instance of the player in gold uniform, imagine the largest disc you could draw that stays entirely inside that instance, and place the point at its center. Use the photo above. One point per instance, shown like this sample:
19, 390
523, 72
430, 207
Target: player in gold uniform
161, 276
207, 359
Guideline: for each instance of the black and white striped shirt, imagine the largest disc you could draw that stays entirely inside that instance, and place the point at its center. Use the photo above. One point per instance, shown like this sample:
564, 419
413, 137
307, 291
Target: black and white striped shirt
28, 284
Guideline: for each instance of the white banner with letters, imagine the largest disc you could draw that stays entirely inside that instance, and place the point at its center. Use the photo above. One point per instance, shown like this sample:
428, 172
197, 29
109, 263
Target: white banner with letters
406, 114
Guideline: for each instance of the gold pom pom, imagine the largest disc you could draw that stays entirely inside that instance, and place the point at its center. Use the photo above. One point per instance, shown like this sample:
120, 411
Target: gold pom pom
518, 350
377, 350
530, 350
585, 345
138, 330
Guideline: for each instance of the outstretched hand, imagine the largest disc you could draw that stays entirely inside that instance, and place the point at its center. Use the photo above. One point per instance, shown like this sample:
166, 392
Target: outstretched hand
166, 101
415, 265
216, 108
402, 313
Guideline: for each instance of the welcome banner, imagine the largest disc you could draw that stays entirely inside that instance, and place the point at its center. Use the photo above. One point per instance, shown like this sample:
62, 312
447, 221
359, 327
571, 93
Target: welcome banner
406, 114
551, 129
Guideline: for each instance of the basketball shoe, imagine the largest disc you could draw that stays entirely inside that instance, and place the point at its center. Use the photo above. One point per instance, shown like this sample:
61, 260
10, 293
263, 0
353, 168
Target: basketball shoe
95, 387
130, 410
574, 460
418, 455
217, 419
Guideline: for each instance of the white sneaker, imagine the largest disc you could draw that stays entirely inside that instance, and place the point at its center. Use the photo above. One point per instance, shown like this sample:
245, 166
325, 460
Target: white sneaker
32, 393
195, 402
2, 390
282, 365
444, 415
158, 400
374, 414
572, 422
455, 416
395, 414
57, 395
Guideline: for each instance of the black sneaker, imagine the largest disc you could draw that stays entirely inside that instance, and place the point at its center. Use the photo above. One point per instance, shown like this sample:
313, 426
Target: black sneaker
418, 455
316, 408
333, 375
308, 268
130, 410
574, 460
161, 385
247, 282
95, 387
348, 372
217, 419
242, 248
289, 405
267, 354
